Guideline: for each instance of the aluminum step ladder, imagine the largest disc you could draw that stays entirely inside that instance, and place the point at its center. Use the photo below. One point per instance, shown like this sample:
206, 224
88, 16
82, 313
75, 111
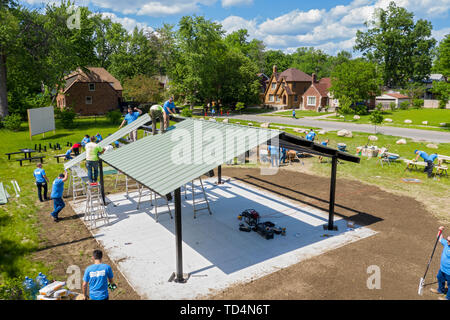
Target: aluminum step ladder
198, 208
95, 208
76, 182
127, 184
152, 194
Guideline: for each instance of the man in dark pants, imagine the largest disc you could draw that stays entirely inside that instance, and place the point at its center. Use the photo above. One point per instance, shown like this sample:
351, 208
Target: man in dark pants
97, 276
57, 194
429, 159
41, 182
444, 271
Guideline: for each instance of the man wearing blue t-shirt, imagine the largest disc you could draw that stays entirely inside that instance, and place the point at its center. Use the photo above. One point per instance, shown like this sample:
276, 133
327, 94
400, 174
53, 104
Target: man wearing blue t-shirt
41, 181
429, 159
311, 135
132, 115
97, 276
444, 271
169, 108
85, 140
57, 194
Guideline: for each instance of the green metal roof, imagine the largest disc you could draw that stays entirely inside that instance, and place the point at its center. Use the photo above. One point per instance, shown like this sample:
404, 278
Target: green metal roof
165, 162
110, 139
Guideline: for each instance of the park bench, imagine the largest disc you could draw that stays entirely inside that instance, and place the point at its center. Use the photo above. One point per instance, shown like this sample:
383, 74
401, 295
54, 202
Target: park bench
10, 153
32, 158
59, 156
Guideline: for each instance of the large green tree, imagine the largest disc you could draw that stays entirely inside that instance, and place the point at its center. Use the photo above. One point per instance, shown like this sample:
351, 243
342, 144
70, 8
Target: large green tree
401, 46
356, 80
442, 63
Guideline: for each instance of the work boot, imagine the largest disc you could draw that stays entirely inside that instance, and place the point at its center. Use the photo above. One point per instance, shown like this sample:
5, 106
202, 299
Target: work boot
434, 290
443, 298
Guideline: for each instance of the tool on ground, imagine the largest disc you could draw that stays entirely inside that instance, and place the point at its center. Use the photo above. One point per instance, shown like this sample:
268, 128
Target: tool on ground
422, 280
266, 229
16, 187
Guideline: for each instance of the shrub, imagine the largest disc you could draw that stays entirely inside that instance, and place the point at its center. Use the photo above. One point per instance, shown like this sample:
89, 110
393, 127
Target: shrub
12, 289
417, 103
12, 122
360, 110
67, 115
404, 105
240, 106
114, 117
442, 104
393, 106
186, 112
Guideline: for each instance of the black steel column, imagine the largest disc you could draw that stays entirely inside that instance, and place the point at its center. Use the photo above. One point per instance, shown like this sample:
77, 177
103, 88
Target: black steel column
219, 174
102, 181
178, 237
332, 192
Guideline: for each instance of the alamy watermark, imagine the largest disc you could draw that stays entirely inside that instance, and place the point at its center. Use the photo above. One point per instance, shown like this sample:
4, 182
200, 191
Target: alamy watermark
74, 20
374, 280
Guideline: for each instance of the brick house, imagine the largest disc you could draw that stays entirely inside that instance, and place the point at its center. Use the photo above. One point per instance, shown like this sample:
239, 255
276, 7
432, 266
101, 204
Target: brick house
317, 96
91, 92
285, 90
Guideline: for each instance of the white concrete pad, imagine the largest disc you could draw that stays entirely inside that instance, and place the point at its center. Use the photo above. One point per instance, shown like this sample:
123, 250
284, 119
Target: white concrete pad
215, 253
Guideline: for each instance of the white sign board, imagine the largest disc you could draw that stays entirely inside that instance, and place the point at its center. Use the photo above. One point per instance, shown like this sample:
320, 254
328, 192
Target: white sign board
41, 120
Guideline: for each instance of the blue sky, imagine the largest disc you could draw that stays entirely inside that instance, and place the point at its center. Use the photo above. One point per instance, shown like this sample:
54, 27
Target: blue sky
280, 24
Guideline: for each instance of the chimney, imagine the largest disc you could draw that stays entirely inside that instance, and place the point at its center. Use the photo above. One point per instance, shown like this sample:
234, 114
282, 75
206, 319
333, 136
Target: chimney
313, 78
274, 69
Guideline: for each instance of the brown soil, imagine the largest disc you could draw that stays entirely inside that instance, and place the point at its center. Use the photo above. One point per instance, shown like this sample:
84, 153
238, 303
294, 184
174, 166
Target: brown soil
406, 234
69, 242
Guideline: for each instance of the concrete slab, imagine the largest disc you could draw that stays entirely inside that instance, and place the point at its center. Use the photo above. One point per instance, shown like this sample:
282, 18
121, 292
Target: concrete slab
215, 253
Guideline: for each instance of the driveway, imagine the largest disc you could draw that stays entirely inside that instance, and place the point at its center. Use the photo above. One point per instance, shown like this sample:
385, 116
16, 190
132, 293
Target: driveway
415, 134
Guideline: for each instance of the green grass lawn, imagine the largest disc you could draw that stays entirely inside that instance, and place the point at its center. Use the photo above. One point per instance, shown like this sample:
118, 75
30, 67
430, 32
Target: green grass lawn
417, 116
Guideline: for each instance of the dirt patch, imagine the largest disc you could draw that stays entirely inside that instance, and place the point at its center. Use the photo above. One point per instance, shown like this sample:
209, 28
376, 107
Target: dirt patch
69, 242
401, 249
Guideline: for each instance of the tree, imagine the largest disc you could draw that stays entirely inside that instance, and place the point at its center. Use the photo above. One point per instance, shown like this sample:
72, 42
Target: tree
344, 108
357, 80
403, 48
442, 63
442, 90
414, 90
310, 60
278, 58
376, 118
142, 89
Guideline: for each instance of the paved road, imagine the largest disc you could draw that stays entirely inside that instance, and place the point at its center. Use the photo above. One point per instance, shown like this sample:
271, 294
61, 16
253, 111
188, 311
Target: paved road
415, 134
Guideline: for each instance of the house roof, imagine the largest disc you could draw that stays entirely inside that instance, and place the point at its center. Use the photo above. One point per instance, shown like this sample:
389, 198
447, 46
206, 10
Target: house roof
323, 86
94, 74
397, 95
293, 74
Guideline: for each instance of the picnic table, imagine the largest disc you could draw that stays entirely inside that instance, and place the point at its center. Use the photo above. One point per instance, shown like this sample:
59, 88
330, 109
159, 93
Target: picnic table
27, 152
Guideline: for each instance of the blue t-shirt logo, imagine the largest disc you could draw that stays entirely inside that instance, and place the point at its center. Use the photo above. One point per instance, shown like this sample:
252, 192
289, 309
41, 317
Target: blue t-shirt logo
97, 276
39, 175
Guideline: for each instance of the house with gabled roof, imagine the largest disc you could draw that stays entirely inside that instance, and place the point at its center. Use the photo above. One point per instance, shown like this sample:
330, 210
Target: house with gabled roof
317, 96
90, 91
285, 90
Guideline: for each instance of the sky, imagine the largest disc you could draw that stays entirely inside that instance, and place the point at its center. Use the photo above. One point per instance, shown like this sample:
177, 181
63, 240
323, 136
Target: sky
281, 24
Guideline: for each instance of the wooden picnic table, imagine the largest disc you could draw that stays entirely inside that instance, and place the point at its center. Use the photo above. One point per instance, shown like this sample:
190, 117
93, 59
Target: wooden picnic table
27, 152
440, 169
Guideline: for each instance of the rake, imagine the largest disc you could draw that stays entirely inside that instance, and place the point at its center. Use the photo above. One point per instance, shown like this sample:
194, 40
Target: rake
422, 280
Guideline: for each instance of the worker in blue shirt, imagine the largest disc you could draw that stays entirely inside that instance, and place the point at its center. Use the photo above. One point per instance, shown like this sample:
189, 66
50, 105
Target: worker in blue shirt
444, 270
97, 276
274, 155
429, 159
293, 114
311, 135
132, 115
57, 195
85, 140
283, 155
41, 181
169, 108
325, 144
99, 137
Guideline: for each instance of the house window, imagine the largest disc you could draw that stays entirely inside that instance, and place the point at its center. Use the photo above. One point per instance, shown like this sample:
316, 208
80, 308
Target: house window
295, 98
311, 101
271, 97
278, 98
91, 86
293, 85
274, 85
88, 100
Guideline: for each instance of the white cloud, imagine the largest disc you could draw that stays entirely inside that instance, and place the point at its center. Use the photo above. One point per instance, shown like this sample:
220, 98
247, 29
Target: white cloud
128, 23
440, 34
232, 3
293, 22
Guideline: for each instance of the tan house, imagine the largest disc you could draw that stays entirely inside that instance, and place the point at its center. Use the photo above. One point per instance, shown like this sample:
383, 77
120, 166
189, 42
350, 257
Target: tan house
391, 97
317, 96
285, 90
91, 92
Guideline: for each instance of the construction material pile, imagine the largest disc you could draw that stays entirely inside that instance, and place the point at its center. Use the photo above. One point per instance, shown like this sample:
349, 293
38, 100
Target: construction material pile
56, 291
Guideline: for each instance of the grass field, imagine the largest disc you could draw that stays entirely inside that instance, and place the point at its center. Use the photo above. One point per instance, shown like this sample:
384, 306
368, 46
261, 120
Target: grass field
298, 113
417, 116
19, 236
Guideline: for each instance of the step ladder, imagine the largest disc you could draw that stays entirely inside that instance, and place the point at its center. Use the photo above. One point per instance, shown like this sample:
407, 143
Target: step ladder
77, 182
95, 208
197, 207
152, 194
127, 184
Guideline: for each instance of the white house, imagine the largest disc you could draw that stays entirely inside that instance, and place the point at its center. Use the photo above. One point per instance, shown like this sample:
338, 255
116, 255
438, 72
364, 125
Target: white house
386, 98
